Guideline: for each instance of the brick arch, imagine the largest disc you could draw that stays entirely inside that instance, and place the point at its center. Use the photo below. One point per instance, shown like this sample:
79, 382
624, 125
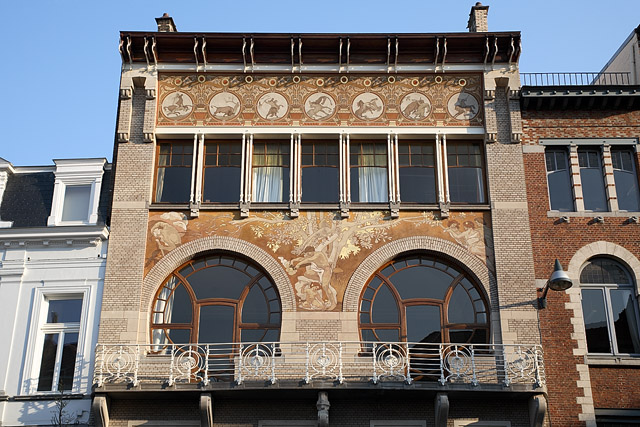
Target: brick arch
434, 245
184, 253
608, 249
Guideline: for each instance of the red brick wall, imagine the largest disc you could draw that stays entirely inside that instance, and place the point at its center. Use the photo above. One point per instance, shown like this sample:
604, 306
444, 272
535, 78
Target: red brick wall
552, 238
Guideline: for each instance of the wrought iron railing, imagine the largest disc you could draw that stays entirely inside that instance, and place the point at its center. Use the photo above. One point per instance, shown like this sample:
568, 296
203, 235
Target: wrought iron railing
575, 79
474, 364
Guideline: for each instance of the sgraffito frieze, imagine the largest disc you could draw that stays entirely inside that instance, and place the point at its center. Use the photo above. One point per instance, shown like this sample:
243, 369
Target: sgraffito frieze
318, 250
257, 100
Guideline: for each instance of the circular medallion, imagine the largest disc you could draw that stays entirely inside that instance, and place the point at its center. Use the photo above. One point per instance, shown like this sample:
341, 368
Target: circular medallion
320, 82
367, 106
177, 105
272, 106
202, 79
438, 79
248, 79
415, 82
462, 82
273, 82
344, 80
296, 79
415, 106
463, 106
178, 81
224, 106
225, 82
319, 106
391, 79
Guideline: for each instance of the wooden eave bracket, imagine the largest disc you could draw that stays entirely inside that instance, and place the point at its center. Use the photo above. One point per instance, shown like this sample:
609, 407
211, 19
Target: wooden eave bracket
441, 409
100, 408
206, 410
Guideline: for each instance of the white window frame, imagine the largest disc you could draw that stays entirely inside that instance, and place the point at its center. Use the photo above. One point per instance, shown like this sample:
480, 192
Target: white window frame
76, 172
39, 328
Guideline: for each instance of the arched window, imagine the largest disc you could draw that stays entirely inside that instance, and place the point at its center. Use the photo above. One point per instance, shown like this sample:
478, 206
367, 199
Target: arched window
609, 308
219, 298
420, 298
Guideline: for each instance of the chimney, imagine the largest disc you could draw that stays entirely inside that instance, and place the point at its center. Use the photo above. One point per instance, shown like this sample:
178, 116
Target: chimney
478, 19
165, 24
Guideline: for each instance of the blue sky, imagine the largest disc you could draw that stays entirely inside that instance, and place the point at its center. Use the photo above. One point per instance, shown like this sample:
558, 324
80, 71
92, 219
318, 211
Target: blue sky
61, 65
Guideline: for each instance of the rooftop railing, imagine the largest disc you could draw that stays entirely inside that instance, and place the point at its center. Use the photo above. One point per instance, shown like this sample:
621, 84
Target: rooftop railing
352, 362
575, 79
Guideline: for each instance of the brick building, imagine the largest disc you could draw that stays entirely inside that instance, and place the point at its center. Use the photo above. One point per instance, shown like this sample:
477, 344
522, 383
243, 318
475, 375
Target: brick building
315, 229
580, 136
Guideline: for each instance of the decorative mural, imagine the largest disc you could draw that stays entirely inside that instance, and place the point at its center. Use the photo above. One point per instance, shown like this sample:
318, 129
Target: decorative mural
318, 250
334, 100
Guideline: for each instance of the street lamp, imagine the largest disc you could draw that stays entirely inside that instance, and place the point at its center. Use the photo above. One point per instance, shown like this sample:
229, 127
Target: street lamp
559, 281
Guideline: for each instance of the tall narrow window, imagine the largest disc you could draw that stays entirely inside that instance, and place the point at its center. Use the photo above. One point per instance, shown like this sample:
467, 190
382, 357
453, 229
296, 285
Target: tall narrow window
61, 329
558, 180
626, 179
222, 172
76, 203
369, 172
417, 172
609, 307
320, 165
466, 172
270, 172
595, 198
173, 180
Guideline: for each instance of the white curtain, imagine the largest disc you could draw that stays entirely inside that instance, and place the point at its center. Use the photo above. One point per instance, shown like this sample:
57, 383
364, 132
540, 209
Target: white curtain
267, 184
480, 185
372, 184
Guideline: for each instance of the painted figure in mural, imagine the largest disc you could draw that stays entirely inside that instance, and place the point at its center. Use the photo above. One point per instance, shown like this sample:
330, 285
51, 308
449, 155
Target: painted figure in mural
314, 286
229, 110
367, 108
320, 108
466, 106
273, 109
177, 108
417, 109
166, 232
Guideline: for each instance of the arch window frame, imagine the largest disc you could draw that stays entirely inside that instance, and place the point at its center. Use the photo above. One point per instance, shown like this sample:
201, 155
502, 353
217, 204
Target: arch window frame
446, 326
255, 275
607, 305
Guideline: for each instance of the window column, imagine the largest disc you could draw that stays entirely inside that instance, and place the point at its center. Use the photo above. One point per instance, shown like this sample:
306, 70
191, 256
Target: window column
576, 182
609, 182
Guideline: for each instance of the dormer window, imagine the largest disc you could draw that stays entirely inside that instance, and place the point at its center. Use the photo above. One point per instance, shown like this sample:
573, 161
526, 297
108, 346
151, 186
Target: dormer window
76, 192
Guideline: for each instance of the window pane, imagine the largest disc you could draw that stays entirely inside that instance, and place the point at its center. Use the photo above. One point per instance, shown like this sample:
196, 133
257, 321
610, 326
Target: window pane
421, 282
385, 308
218, 282
254, 307
595, 321
593, 192
320, 184
76, 203
460, 307
64, 310
216, 324
560, 193
48, 362
627, 190
369, 185
221, 185
418, 184
178, 309
466, 185
625, 321
270, 184
173, 185
68, 363
423, 323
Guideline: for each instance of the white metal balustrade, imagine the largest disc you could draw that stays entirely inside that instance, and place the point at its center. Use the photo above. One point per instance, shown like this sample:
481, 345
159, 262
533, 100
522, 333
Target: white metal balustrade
340, 362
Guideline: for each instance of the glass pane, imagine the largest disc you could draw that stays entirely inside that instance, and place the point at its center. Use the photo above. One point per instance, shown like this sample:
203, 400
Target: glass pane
218, 282
68, 363
388, 335
466, 185
460, 308
320, 184
385, 309
593, 192
418, 185
179, 308
216, 324
180, 336
423, 323
48, 362
460, 336
173, 185
625, 321
64, 310
76, 203
221, 185
369, 184
421, 282
603, 270
270, 184
254, 307
560, 193
252, 335
627, 190
595, 321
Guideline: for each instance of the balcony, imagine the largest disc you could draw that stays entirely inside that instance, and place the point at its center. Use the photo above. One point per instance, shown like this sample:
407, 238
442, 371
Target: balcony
579, 91
319, 364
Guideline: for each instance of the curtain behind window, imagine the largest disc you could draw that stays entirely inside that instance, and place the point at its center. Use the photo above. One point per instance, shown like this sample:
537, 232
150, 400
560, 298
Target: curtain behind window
372, 179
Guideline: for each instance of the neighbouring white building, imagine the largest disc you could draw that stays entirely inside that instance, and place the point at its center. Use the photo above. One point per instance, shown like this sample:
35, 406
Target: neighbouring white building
53, 246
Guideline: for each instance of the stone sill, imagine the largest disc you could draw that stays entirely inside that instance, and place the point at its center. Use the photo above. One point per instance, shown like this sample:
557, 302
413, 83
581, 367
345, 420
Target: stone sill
589, 214
602, 360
